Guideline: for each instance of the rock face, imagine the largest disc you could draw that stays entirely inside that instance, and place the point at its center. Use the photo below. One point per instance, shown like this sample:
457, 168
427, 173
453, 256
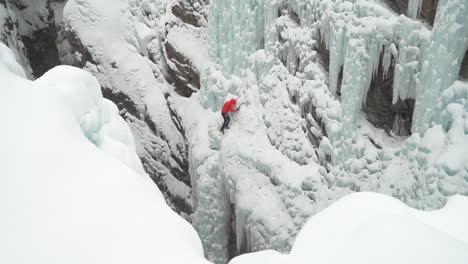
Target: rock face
427, 13
143, 81
381, 112
180, 45
180, 71
10, 35
35, 26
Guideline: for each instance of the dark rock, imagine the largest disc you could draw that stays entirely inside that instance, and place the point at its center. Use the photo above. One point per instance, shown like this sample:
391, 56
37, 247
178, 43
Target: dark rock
191, 12
427, 13
464, 66
379, 109
123, 102
180, 71
159, 161
41, 50
39, 46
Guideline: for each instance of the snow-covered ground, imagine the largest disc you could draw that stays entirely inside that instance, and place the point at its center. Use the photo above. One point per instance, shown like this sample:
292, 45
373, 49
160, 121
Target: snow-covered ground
374, 228
73, 189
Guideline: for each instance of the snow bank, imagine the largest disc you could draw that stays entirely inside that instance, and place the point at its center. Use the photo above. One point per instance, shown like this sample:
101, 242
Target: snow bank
67, 200
374, 228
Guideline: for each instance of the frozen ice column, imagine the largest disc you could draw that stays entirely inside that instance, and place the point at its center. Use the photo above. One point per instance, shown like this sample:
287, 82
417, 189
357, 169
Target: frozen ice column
442, 62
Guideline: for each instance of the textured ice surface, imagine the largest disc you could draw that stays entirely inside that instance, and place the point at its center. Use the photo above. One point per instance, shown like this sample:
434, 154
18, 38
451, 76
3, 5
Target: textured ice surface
441, 65
301, 140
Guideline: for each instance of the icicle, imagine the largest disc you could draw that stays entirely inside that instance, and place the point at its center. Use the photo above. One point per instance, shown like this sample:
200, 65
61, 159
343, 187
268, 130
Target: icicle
414, 7
375, 50
337, 54
241, 219
390, 52
406, 71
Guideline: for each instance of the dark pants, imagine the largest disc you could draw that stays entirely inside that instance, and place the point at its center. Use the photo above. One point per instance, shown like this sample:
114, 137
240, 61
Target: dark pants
226, 121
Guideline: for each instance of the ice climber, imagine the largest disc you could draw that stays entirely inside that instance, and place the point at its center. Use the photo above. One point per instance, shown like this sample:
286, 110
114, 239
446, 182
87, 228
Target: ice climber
227, 107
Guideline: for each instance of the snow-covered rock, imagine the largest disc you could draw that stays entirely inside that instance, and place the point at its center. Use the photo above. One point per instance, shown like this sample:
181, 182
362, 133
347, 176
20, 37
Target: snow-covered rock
121, 45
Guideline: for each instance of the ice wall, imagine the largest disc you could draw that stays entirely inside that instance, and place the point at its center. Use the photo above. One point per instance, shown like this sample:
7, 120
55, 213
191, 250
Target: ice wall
238, 28
301, 140
441, 65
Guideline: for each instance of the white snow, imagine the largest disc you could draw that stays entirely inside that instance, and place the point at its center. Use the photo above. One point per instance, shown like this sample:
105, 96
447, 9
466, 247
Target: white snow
67, 200
373, 228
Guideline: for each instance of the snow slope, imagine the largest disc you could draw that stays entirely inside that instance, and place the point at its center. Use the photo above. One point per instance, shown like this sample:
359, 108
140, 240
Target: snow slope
72, 187
374, 228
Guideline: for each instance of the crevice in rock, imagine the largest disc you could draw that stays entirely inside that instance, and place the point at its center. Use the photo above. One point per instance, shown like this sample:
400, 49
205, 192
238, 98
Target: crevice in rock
232, 244
42, 51
324, 58
180, 171
39, 43
379, 109
427, 13
464, 67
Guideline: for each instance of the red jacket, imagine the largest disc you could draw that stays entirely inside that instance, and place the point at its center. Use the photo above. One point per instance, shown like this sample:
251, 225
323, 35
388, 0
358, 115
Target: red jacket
228, 106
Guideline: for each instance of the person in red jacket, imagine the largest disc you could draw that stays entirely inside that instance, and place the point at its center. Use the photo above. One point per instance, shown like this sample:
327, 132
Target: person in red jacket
227, 107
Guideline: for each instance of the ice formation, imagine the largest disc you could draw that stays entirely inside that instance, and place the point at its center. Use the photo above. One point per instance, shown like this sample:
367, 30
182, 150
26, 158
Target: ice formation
441, 65
302, 140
